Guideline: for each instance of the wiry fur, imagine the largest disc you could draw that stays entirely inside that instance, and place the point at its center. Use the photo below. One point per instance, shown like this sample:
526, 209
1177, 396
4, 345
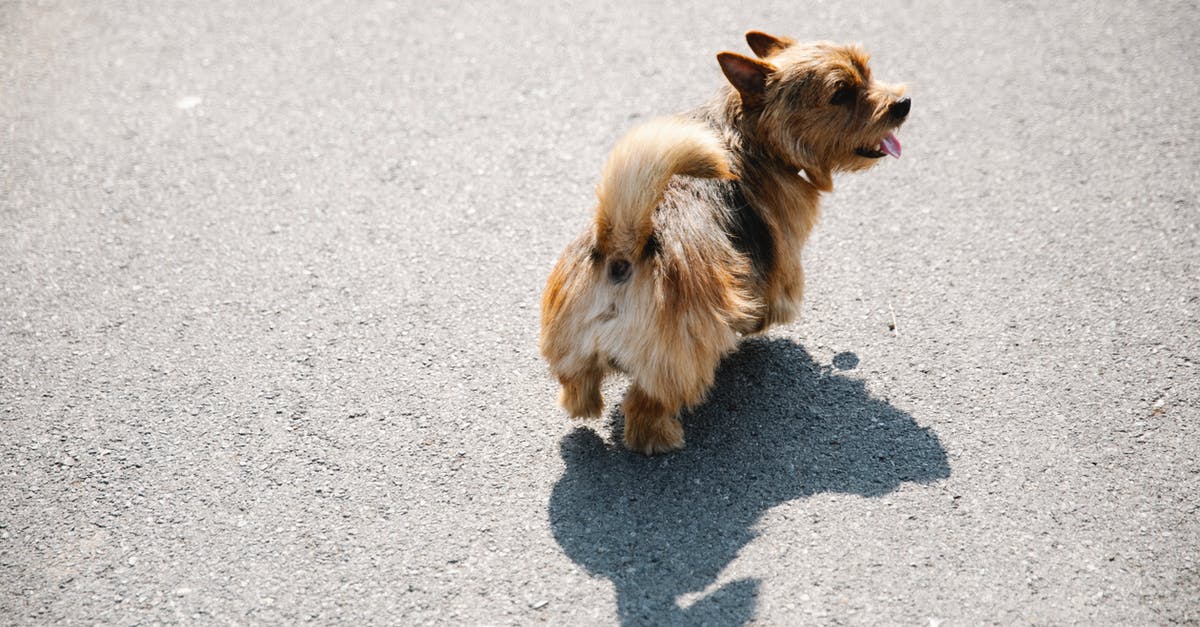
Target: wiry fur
698, 230
636, 175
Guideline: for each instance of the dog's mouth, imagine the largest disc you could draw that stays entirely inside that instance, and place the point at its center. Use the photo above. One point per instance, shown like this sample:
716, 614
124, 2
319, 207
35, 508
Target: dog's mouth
888, 146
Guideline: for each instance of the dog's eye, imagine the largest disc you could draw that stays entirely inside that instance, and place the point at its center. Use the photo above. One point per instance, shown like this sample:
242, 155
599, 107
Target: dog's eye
843, 96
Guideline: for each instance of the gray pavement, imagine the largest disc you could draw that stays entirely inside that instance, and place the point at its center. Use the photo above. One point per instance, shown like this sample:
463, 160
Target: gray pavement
269, 281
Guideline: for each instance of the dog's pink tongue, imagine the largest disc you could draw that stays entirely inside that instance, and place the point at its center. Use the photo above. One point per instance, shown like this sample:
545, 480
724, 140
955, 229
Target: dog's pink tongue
891, 145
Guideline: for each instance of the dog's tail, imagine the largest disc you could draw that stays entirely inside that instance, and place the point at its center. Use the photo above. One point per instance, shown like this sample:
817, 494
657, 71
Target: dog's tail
636, 175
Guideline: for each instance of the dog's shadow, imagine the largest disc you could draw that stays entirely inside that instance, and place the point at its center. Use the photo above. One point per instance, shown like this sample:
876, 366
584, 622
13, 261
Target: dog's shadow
777, 427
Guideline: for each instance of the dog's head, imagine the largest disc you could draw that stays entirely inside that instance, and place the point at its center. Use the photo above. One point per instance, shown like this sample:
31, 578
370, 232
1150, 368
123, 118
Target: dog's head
816, 106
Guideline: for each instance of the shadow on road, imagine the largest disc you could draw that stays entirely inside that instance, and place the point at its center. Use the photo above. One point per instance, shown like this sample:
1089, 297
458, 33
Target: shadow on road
777, 427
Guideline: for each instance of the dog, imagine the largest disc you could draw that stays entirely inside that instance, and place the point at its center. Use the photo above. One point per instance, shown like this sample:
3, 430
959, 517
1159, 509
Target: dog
698, 228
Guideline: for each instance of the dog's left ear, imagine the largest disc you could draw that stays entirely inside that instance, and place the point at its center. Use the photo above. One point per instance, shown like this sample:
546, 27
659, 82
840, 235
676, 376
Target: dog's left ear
748, 76
765, 45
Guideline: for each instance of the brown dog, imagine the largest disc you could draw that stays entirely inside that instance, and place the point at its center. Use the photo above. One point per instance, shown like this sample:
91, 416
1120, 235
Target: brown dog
699, 225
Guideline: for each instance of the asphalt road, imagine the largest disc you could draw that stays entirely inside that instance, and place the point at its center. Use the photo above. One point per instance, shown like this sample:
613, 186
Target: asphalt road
269, 282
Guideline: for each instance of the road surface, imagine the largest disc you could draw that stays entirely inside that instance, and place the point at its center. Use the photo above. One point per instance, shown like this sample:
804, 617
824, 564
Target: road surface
270, 277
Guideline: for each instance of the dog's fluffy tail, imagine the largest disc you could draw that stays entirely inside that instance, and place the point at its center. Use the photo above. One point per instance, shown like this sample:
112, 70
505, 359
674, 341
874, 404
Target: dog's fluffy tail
637, 172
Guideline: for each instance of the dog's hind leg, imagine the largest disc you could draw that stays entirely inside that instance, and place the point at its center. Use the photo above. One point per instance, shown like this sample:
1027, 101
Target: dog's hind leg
651, 425
581, 393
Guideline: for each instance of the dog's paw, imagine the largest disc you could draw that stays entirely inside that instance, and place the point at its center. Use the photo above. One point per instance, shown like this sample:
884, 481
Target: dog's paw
582, 401
661, 436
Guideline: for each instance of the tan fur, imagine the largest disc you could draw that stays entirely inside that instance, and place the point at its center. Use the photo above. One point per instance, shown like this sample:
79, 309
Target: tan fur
698, 230
637, 172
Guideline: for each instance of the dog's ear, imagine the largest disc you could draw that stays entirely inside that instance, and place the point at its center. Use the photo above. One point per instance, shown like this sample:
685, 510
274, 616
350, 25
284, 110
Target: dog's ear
748, 76
765, 45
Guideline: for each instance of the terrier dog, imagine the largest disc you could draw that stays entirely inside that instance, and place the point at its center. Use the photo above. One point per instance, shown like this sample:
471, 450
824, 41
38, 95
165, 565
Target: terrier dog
699, 225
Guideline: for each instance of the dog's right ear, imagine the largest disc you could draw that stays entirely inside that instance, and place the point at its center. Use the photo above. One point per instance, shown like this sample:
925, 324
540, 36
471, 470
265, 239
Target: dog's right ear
765, 45
748, 76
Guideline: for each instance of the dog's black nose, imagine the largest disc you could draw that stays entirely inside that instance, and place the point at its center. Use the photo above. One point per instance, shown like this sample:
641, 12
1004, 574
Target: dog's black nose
899, 109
